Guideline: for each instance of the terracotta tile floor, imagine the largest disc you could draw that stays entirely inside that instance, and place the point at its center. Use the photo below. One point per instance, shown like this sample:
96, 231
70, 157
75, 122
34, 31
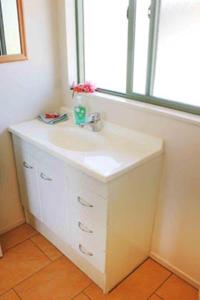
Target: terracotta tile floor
33, 269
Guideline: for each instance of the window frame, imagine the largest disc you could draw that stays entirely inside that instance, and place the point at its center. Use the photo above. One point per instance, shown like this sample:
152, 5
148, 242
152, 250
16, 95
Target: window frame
3, 50
154, 14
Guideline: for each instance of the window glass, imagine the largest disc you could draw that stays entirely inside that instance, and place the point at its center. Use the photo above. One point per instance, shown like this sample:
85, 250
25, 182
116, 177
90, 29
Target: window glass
105, 38
178, 53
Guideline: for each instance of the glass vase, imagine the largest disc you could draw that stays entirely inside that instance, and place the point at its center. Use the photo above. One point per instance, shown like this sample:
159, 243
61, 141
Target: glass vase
80, 109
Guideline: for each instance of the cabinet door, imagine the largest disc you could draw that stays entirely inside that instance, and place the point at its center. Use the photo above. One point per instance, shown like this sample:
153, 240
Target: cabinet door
54, 196
27, 176
29, 166
32, 199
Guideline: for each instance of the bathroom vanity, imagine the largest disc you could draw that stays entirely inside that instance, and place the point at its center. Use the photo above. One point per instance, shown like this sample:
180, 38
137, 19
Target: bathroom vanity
92, 194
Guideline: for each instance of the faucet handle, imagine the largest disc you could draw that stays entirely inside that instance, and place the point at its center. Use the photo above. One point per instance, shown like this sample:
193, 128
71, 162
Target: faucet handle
94, 117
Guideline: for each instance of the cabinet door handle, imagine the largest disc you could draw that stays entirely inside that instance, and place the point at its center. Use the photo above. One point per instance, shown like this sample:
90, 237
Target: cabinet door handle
85, 251
84, 228
83, 202
26, 165
43, 176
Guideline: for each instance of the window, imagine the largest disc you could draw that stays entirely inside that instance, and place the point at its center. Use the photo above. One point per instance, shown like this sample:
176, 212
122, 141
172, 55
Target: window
146, 50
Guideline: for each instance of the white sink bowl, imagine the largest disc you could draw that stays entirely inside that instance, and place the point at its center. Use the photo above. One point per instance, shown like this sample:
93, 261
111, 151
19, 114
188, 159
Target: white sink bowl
75, 139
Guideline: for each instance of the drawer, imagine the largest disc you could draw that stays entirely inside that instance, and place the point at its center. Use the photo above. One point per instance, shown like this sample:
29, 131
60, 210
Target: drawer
94, 257
89, 207
80, 182
93, 234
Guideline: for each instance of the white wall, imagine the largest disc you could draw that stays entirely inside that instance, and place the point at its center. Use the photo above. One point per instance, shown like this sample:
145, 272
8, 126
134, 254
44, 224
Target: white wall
26, 88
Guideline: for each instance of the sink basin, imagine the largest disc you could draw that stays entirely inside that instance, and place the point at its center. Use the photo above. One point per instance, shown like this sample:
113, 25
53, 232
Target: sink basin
75, 139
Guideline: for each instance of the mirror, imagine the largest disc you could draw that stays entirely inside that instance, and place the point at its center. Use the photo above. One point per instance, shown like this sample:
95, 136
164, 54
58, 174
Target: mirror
12, 33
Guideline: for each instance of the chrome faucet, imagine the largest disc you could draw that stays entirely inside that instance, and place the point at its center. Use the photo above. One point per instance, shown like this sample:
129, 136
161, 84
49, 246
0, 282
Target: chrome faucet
94, 121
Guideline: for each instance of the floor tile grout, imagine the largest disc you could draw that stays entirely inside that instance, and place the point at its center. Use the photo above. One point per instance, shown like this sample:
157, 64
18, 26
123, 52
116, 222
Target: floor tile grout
19, 243
155, 295
154, 292
52, 260
159, 296
35, 244
28, 277
82, 291
41, 250
17, 294
87, 296
8, 291
87, 286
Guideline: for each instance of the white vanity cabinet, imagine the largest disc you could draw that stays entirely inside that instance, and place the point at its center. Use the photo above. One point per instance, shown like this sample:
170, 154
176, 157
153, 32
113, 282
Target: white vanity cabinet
103, 226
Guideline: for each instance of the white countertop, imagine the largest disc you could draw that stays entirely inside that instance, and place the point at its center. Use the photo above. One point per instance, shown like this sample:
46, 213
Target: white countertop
103, 155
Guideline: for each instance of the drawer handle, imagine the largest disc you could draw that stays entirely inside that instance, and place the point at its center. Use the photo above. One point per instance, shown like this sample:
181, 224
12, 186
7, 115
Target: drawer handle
84, 228
85, 251
43, 176
83, 202
26, 165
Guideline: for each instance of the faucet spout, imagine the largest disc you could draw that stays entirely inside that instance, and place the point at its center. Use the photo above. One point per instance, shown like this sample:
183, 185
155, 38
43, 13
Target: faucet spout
94, 121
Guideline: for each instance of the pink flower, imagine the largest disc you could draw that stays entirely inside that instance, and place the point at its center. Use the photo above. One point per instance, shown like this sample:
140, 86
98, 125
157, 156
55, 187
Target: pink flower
86, 87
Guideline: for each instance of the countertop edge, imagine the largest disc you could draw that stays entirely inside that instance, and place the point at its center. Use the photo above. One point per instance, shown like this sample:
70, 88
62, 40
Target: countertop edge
82, 168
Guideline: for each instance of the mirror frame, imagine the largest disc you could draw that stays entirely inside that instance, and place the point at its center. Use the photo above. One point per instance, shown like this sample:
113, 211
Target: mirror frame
23, 54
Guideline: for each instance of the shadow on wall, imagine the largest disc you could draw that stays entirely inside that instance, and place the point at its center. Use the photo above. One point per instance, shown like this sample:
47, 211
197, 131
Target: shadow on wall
10, 212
